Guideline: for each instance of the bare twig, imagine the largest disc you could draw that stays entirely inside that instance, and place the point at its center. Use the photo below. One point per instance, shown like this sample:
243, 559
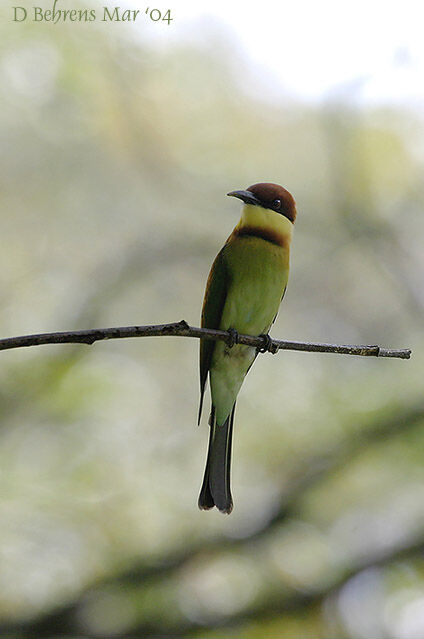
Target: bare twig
182, 329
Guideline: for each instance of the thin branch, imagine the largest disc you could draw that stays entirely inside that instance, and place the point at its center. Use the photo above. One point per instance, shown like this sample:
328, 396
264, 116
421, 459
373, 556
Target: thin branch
182, 329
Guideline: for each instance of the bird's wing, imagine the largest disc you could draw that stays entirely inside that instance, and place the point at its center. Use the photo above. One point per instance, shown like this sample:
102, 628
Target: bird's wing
213, 303
282, 297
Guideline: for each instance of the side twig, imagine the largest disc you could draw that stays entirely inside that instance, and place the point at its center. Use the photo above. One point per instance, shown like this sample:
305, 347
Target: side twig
182, 329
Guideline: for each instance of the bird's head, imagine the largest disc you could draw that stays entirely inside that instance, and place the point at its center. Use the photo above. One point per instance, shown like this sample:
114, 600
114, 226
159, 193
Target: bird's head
269, 196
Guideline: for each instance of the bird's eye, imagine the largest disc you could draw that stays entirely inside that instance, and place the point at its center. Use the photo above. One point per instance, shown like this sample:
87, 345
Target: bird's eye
276, 204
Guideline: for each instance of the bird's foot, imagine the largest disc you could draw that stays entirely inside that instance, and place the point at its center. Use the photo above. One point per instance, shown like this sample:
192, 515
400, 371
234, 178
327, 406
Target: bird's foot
268, 345
233, 337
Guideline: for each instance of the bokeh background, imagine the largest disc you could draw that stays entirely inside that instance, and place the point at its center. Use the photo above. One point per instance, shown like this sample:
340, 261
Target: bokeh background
118, 145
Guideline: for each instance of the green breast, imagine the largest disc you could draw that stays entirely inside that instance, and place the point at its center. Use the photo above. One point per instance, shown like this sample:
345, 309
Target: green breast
258, 273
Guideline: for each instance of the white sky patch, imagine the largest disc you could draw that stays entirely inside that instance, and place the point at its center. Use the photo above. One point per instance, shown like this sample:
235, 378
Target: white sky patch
311, 49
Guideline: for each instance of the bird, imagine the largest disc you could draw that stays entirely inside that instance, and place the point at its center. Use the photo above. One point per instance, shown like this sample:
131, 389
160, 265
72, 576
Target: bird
246, 284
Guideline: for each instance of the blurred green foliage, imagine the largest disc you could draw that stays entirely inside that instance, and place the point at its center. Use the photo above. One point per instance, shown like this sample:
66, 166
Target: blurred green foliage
116, 158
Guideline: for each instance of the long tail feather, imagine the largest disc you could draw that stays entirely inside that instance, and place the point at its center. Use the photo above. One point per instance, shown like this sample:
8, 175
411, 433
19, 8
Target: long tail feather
216, 490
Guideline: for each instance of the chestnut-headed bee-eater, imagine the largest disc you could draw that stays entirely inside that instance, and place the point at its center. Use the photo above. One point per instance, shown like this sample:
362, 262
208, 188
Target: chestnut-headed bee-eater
245, 286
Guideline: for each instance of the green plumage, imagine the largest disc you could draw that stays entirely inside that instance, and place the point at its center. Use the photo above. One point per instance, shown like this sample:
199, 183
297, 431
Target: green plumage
245, 287
244, 290
257, 277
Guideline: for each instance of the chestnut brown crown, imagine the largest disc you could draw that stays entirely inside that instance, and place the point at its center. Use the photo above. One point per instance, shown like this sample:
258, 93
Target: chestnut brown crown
275, 197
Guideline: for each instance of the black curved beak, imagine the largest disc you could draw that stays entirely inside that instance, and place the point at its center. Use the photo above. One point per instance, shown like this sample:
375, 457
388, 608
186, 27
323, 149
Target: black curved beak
246, 196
